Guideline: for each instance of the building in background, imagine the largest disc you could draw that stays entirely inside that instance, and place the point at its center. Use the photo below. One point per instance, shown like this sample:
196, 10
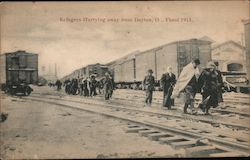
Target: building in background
230, 55
247, 43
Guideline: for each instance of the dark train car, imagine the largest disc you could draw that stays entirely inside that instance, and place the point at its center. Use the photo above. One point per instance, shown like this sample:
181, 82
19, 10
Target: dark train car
97, 69
18, 69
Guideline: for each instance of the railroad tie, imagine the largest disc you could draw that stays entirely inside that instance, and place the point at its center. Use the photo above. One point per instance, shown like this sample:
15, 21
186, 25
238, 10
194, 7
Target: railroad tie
199, 151
132, 126
146, 132
194, 130
156, 136
169, 140
183, 144
227, 154
135, 129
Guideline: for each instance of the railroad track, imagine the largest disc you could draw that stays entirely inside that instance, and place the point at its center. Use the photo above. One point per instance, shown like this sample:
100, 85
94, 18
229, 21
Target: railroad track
133, 107
197, 142
139, 95
223, 111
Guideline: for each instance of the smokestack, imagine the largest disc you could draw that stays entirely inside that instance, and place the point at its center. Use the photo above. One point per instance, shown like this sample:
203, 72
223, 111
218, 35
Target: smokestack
55, 70
49, 69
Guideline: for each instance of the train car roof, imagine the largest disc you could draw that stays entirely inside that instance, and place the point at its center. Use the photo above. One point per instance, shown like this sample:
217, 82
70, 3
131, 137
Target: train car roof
174, 42
20, 52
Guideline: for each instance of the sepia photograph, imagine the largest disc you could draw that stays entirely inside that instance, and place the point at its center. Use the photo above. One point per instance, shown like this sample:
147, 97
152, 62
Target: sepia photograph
124, 79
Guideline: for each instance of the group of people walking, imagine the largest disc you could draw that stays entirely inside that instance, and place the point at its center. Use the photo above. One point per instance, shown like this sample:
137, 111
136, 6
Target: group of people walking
190, 82
89, 86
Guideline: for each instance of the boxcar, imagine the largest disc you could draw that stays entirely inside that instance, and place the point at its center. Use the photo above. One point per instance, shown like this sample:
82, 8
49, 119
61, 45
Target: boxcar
18, 68
176, 54
98, 69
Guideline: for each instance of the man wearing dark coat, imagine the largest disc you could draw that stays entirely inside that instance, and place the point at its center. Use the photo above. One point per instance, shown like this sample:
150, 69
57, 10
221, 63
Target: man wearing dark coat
208, 83
85, 87
93, 84
58, 84
149, 83
167, 82
220, 82
107, 86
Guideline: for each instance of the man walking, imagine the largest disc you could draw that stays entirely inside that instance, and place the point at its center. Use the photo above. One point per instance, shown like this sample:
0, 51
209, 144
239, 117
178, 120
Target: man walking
107, 86
59, 85
187, 83
208, 82
93, 84
167, 82
149, 83
220, 82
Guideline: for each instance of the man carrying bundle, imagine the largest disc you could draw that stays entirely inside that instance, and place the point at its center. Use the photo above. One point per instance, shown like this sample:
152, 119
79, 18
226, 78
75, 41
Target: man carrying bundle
188, 83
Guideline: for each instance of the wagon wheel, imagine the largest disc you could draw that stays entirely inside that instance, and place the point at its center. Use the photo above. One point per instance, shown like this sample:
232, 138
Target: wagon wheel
27, 92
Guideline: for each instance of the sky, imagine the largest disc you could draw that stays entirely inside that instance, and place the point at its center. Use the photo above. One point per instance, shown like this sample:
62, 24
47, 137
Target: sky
45, 28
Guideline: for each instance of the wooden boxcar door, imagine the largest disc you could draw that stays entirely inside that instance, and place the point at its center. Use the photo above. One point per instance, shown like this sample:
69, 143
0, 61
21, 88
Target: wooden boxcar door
182, 57
194, 51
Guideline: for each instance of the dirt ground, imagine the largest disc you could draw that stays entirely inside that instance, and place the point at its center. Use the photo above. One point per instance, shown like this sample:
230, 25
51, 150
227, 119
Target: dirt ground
35, 130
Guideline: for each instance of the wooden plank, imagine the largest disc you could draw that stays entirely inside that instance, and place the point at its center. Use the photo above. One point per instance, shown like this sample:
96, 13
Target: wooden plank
198, 150
227, 154
146, 132
135, 130
170, 139
183, 144
156, 136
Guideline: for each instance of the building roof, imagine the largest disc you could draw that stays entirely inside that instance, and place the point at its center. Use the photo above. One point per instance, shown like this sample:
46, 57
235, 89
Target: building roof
228, 42
206, 38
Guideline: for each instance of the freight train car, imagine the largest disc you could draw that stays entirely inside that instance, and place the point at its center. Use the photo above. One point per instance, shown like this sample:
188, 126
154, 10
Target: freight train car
176, 54
97, 69
18, 69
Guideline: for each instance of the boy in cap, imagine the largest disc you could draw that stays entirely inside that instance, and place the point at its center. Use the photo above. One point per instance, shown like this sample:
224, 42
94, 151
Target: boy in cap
149, 83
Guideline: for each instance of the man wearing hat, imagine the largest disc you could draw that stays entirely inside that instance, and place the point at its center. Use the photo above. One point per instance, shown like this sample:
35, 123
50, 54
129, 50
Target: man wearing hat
107, 86
187, 83
167, 83
220, 82
149, 83
93, 84
208, 84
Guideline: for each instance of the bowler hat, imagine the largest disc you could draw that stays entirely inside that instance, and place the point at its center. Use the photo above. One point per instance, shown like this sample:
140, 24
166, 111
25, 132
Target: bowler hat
197, 61
150, 71
216, 63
